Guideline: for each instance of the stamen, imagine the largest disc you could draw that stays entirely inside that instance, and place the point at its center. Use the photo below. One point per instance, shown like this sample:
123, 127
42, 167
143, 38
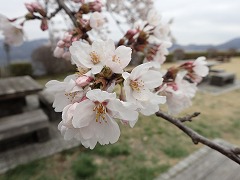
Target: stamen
115, 59
100, 110
71, 96
81, 71
94, 57
136, 85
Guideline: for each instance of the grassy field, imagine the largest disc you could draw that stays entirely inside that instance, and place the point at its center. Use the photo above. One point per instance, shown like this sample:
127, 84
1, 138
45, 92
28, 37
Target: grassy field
145, 151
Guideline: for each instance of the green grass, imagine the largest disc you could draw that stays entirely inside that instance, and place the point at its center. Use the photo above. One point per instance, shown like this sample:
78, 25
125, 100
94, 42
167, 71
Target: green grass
112, 150
84, 166
175, 150
25, 171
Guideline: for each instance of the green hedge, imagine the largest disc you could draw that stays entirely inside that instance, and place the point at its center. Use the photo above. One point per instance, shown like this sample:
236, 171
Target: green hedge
21, 69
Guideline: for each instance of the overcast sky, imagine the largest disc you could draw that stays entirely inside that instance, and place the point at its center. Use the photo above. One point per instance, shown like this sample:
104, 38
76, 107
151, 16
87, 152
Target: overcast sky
199, 22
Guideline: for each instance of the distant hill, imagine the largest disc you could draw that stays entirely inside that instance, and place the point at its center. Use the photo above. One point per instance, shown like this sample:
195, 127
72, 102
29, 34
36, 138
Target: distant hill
234, 43
22, 52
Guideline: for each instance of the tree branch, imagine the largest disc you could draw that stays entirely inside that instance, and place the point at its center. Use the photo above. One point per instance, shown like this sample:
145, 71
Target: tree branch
63, 6
189, 117
55, 12
230, 152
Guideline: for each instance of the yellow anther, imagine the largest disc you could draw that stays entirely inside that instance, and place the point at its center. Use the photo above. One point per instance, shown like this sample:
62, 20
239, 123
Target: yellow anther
115, 59
94, 57
100, 110
136, 85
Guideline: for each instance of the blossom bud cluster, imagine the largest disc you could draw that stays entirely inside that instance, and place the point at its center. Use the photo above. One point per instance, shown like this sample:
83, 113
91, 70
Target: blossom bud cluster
95, 22
180, 84
61, 50
151, 37
36, 11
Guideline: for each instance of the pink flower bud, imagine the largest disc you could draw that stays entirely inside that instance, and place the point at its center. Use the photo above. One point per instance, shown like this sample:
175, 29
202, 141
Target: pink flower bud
67, 37
131, 32
29, 7
44, 24
58, 52
60, 44
83, 80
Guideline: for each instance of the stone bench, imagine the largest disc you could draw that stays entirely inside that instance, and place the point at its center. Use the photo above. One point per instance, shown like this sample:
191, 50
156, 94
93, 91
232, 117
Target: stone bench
221, 79
46, 100
217, 71
34, 123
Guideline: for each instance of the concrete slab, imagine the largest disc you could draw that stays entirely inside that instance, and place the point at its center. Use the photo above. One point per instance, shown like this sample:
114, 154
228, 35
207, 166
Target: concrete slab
204, 164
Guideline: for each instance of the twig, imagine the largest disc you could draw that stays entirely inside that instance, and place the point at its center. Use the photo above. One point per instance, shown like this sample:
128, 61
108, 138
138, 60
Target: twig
55, 12
189, 117
63, 6
230, 152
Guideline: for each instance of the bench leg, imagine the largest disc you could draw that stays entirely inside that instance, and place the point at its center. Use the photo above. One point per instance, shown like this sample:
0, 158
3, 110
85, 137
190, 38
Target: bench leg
42, 135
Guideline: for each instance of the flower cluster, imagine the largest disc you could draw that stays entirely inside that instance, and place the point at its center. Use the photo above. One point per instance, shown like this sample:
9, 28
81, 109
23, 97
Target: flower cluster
89, 105
180, 84
90, 109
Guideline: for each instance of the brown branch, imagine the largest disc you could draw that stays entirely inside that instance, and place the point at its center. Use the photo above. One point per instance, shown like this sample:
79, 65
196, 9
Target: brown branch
189, 117
230, 152
55, 12
63, 6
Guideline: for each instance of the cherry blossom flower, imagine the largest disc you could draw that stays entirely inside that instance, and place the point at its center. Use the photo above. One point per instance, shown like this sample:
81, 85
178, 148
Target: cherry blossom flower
196, 70
117, 59
138, 87
65, 126
200, 67
159, 53
153, 17
13, 34
95, 118
35, 7
66, 92
88, 56
3, 21
96, 20
179, 94
83, 80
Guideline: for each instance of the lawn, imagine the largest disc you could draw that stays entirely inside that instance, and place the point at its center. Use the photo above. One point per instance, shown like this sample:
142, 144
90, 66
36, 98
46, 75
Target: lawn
145, 151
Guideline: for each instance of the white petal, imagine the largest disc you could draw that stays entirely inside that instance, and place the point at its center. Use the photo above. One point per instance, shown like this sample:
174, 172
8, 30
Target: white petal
83, 114
125, 75
55, 86
97, 68
87, 132
70, 133
142, 94
152, 79
149, 109
100, 96
60, 101
142, 69
122, 112
124, 55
